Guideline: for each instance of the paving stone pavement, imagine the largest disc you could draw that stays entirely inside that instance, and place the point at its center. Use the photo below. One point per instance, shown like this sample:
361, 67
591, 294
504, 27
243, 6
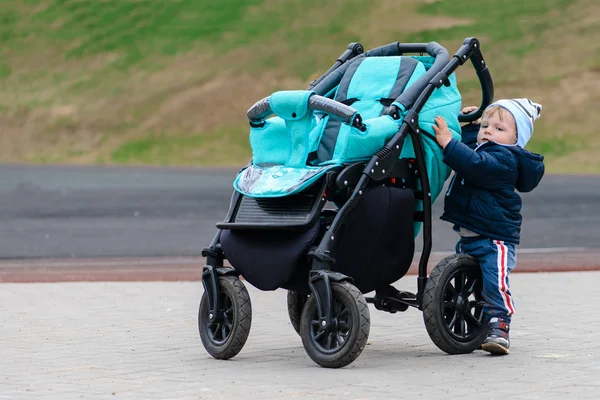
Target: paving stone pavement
134, 340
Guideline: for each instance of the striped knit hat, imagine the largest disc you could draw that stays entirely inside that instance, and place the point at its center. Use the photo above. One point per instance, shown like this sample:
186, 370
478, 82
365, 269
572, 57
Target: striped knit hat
525, 113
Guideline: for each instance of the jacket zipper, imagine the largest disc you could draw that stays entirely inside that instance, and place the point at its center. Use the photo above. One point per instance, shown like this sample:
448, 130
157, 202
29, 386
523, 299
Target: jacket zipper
451, 185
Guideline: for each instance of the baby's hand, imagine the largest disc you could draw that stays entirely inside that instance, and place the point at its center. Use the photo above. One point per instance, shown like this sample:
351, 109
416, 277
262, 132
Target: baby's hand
442, 133
469, 109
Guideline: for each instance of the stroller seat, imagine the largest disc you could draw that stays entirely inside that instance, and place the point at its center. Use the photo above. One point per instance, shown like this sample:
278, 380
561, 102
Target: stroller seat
291, 152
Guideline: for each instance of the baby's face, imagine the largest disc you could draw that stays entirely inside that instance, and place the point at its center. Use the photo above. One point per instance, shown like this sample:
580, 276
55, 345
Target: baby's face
501, 131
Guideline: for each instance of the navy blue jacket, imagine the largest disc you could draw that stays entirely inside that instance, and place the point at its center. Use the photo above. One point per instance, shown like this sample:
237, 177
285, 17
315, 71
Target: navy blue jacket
481, 196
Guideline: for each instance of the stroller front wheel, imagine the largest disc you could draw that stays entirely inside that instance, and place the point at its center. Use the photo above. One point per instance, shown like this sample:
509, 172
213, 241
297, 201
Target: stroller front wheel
342, 342
453, 305
226, 338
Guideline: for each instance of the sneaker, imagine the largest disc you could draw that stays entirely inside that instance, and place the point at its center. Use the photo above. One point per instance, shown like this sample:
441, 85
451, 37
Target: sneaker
497, 341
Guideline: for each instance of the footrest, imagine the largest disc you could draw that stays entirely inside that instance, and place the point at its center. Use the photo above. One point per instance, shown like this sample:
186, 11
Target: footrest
393, 300
295, 212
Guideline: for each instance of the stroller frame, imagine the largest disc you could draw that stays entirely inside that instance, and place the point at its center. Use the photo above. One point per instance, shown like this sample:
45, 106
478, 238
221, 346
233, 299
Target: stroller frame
382, 165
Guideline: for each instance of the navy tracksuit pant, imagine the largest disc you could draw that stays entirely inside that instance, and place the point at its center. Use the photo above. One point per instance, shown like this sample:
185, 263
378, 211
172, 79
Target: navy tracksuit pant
497, 259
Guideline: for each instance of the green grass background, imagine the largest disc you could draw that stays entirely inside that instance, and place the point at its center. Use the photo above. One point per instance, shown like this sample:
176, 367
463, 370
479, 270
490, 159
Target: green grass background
168, 82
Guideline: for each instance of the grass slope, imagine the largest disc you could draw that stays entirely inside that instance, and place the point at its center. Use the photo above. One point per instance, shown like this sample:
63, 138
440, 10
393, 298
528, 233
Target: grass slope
169, 82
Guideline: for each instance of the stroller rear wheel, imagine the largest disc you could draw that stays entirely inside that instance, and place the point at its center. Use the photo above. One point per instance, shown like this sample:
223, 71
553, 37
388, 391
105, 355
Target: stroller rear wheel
343, 341
453, 305
226, 338
295, 304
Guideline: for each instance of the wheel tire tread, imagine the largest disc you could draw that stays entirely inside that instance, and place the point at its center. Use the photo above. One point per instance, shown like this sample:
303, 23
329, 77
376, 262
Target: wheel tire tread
241, 326
362, 332
295, 306
435, 329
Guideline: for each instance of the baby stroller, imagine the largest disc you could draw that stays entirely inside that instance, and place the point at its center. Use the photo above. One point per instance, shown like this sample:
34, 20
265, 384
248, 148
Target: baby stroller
341, 181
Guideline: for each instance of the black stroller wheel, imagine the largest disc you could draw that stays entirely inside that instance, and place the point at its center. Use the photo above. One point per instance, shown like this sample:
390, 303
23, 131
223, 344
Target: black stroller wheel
347, 336
453, 305
295, 304
226, 338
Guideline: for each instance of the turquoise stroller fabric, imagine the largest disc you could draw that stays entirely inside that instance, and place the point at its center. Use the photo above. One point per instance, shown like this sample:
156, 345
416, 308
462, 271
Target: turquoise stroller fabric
298, 145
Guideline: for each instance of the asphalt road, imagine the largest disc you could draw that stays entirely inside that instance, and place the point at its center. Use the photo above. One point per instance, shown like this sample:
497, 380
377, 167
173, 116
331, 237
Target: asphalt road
86, 212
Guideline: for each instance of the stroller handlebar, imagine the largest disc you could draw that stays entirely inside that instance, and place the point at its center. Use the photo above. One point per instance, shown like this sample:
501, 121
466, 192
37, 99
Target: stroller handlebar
471, 50
431, 48
438, 74
262, 109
